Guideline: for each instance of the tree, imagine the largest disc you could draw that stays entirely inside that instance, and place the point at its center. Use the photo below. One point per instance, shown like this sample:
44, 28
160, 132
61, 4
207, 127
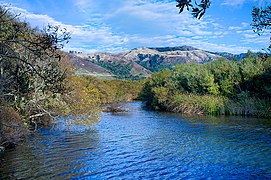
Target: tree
30, 63
261, 16
198, 9
262, 21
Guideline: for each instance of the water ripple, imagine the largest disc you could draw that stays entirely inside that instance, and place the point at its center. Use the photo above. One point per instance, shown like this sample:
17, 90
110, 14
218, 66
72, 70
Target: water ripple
145, 145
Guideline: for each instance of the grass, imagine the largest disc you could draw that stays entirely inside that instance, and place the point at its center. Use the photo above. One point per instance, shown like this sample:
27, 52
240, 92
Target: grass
196, 104
218, 105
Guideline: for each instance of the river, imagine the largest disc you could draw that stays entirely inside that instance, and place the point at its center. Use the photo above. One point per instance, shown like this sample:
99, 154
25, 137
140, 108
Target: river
142, 144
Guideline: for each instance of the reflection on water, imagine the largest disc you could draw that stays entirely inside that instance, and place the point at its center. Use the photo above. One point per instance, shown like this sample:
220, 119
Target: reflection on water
142, 144
229, 121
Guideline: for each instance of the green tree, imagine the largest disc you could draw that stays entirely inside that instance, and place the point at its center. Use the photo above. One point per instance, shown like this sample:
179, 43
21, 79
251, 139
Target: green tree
30, 64
195, 78
226, 74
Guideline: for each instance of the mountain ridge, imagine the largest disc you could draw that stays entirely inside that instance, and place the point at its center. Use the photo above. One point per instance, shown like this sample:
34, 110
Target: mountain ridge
141, 62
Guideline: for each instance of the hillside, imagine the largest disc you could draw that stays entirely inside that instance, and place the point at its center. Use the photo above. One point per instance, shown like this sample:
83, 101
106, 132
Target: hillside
156, 59
116, 65
142, 62
85, 67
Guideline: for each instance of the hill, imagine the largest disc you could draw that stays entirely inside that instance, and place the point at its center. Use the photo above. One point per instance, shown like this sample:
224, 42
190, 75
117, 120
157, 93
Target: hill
116, 65
142, 62
155, 59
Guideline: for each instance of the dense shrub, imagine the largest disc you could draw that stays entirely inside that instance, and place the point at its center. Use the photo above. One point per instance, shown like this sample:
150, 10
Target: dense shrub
109, 91
218, 87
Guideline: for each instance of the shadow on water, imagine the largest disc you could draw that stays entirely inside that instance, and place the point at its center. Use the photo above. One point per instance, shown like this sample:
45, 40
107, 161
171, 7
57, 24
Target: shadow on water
143, 144
229, 120
50, 153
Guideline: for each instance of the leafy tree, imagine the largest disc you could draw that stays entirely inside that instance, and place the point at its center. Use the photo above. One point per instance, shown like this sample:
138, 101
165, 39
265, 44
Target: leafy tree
226, 74
195, 78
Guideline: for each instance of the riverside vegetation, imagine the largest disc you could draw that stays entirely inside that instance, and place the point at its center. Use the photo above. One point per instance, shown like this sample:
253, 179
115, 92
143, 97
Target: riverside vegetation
221, 87
37, 83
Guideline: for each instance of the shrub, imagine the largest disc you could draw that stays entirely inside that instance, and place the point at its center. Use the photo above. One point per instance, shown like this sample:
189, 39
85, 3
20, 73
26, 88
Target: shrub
12, 129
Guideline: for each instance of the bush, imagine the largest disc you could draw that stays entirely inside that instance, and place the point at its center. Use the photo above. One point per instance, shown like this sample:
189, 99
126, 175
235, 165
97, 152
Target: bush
218, 87
12, 129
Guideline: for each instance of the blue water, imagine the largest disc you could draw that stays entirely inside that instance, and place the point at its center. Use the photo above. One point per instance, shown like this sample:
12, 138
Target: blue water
142, 144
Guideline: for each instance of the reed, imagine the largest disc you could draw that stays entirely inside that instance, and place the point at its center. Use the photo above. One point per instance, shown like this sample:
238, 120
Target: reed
196, 104
243, 105
248, 106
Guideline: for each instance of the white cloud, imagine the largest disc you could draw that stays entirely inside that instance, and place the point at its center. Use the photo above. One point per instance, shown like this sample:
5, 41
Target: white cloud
235, 28
233, 2
241, 2
198, 43
83, 37
82, 5
121, 25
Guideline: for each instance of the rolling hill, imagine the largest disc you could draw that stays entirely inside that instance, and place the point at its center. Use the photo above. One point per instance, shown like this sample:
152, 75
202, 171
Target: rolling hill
141, 62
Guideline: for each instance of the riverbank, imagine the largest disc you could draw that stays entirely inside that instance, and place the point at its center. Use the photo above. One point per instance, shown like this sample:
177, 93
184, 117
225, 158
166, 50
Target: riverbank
12, 129
86, 94
243, 105
38, 82
220, 87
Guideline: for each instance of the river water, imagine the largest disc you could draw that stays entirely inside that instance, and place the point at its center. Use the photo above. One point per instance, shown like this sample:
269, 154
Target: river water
142, 144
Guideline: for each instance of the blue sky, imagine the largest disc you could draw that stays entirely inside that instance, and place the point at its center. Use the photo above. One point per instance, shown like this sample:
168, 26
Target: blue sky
119, 25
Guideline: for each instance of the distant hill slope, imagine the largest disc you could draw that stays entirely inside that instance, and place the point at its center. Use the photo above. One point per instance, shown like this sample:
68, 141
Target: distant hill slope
86, 67
108, 65
230, 56
142, 62
156, 59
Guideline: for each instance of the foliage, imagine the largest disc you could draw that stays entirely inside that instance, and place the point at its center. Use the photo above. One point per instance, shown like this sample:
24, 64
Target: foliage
226, 74
87, 93
30, 65
213, 88
198, 9
197, 104
262, 21
246, 105
195, 79
12, 128
113, 91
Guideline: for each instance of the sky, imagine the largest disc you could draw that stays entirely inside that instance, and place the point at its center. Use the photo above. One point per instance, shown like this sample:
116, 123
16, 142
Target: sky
119, 25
